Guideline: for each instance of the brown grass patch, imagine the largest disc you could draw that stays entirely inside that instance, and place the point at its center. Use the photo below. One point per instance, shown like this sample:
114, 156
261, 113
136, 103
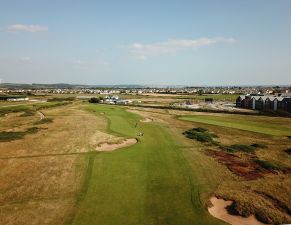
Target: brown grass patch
42, 174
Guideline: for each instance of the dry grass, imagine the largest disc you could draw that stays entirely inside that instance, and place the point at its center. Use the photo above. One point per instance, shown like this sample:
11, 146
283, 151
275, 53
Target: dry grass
43, 212
48, 177
42, 174
72, 131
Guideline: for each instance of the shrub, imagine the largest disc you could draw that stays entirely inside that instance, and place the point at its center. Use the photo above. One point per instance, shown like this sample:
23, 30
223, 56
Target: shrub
14, 135
10, 136
199, 134
238, 148
94, 100
61, 99
266, 165
31, 130
200, 129
256, 145
288, 151
28, 113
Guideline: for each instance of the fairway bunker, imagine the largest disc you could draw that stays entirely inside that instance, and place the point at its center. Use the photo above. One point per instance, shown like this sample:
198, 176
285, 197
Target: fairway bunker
106, 147
219, 210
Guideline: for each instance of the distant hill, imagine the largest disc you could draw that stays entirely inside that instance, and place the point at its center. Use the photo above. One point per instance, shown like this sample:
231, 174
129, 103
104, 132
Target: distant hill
64, 85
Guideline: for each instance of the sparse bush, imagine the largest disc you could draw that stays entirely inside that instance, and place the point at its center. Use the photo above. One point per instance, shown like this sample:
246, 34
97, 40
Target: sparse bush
257, 145
10, 136
14, 135
61, 99
30, 110
50, 105
288, 151
28, 113
266, 165
200, 129
31, 130
94, 100
238, 148
6, 110
200, 134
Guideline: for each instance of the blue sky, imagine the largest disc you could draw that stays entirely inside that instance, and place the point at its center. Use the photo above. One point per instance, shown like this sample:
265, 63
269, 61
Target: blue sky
227, 42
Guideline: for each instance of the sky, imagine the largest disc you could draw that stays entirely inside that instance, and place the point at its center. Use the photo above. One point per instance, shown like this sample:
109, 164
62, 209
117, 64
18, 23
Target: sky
149, 42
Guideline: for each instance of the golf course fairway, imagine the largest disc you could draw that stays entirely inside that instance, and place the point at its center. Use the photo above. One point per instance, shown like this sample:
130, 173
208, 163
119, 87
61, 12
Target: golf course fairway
146, 183
275, 126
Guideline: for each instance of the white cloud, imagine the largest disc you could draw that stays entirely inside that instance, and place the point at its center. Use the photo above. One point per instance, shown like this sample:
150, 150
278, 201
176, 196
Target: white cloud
142, 51
25, 59
26, 28
89, 64
142, 57
81, 63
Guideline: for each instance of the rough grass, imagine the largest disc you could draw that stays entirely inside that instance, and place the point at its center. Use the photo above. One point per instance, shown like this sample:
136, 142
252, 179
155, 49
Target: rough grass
239, 147
44, 121
258, 145
25, 110
266, 165
266, 125
14, 135
30, 109
41, 174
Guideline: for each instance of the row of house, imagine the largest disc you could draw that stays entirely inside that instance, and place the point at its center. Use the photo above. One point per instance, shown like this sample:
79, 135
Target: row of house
13, 98
265, 103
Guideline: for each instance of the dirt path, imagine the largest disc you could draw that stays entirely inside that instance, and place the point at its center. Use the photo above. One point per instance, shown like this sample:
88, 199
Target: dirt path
219, 211
106, 147
41, 115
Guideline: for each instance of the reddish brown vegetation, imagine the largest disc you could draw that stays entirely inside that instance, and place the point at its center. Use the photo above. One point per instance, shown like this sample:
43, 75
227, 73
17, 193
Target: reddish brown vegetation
244, 168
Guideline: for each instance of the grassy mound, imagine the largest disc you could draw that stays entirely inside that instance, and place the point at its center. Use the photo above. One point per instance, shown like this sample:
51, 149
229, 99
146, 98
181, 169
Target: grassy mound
30, 110
239, 148
257, 145
44, 121
200, 134
14, 135
266, 165
25, 111
288, 151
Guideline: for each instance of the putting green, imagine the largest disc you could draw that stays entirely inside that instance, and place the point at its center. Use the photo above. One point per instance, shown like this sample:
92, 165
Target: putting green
265, 125
147, 183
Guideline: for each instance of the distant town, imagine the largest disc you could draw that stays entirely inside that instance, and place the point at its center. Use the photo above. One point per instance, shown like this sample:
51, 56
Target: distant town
6, 88
224, 98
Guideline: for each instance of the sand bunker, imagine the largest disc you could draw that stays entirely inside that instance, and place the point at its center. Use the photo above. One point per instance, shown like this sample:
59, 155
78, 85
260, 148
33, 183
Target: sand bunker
219, 211
106, 147
146, 120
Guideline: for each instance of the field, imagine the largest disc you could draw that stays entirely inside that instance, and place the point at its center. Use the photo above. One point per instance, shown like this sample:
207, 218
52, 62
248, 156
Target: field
56, 176
259, 124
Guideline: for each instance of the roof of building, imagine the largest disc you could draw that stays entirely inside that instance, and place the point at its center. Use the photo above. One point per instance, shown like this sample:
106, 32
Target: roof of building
256, 97
271, 98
